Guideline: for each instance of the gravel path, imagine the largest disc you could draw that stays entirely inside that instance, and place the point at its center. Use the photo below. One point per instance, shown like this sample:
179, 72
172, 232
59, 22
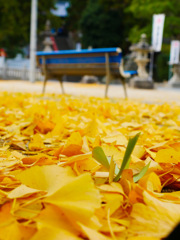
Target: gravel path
161, 93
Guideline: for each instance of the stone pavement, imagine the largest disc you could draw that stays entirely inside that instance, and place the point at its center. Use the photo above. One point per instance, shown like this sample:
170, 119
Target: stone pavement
161, 93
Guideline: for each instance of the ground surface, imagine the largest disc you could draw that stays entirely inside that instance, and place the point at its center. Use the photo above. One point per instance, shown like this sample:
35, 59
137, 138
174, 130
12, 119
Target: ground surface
61, 161
160, 93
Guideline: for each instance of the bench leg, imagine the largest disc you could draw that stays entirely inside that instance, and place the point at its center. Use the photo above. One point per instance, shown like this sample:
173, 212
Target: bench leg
124, 87
61, 83
107, 85
107, 73
124, 76
44, 84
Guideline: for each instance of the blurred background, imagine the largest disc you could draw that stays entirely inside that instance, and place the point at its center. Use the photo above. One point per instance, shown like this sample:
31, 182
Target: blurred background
74, 24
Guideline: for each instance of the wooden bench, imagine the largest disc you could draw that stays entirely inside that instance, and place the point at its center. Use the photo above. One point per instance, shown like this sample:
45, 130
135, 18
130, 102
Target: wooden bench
97, 62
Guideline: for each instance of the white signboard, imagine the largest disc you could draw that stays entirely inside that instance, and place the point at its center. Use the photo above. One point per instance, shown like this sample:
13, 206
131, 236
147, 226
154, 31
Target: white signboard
174, 52
157, 31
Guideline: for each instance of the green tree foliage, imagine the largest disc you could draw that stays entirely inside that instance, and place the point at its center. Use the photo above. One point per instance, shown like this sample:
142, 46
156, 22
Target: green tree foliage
99, 25
75, 13
15, 22
101, 28
143, 10
104, 24
161, 68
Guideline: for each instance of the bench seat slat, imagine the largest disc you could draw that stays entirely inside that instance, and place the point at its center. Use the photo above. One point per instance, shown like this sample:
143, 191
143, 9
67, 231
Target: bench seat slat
82, 51
99, 72
85, 59
79, 55
81, 65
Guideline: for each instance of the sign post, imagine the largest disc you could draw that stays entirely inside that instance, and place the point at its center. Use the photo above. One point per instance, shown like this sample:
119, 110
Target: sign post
157, 37
33, 38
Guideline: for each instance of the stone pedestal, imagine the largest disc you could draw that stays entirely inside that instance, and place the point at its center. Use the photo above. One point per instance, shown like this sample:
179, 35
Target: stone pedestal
175, 80
89, 79
142, 80
47, 43
137, 82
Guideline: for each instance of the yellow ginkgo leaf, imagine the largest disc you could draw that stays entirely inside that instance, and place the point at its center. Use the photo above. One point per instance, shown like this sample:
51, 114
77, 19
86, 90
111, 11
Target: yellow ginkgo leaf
159, 146
73, 145
46, 178
16, 231
39, 159
22, 191
85, 146
175, 146
93, 234
87, 165
113, 151
163, 215
76, 158
43, 126
151, 153
112, 201
49, 233
117, 139
78, 199
5, 216
29, 131
138, 151
10, 228
26, 210
18, 145
92, 130
52, 217
151, 182
36, 143
167, 156
143, 238
114, 187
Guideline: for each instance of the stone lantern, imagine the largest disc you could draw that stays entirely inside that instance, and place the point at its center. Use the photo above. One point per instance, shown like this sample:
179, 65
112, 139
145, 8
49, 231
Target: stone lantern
175, 80
47, 41
142, 49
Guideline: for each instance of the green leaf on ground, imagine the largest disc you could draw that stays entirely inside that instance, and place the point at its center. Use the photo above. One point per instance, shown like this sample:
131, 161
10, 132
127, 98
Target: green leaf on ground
138, 176
126, 159
100, 156
111, 170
